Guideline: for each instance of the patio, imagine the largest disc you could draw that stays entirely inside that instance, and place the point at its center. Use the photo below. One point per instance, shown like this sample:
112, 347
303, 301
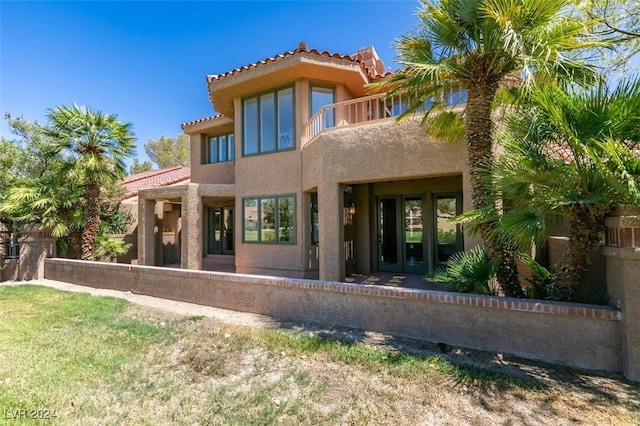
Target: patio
225, 263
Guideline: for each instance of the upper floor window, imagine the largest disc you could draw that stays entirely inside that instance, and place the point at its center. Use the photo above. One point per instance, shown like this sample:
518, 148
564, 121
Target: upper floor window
268, 122
322, 96
220, 148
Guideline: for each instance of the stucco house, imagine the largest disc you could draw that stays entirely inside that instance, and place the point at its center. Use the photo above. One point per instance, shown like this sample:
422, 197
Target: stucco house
304, 173
168, 244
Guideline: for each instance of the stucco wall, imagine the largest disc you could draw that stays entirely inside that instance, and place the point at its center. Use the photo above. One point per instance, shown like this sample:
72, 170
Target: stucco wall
381, 151
570, 334
216, 172
33, 250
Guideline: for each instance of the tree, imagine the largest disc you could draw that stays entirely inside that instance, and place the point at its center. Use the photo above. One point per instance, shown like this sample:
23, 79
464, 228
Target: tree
24, 156
138, 167
475, 44
573, 155
94, 146
619, 21
169, 152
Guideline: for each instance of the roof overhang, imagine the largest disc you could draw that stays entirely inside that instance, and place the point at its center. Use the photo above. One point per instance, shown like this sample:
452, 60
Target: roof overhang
209, 124
223, 89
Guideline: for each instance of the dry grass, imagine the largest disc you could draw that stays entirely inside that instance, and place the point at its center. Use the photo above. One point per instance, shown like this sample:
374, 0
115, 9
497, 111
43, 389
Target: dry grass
99, 360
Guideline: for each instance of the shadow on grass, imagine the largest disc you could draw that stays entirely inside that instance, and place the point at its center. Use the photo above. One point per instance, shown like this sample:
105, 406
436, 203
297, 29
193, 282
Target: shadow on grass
466, 367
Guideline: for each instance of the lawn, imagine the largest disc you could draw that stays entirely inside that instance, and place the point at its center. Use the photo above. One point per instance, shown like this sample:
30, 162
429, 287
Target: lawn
97, 360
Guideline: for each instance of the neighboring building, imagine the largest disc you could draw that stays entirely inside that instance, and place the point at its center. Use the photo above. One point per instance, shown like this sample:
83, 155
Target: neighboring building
169, 244
304, 174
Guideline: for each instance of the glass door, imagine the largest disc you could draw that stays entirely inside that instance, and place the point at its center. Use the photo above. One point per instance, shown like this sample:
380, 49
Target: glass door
413, 235
389, 252
448, 236
220, 230
214, 237
401, 237
227, 235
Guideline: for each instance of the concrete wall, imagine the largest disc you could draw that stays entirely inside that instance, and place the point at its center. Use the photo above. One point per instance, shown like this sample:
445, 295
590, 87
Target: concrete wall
569, 334
623, 281
35, 246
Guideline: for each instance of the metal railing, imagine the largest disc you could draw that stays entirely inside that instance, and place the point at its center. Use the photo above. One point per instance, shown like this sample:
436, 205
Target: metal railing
12, 251
366, 109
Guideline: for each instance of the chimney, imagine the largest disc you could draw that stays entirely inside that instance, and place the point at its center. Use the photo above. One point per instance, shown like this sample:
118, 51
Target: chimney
371, 61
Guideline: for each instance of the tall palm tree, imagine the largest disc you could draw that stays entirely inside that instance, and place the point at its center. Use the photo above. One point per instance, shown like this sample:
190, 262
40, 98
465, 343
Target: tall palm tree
94, 146
572, 155
475, 44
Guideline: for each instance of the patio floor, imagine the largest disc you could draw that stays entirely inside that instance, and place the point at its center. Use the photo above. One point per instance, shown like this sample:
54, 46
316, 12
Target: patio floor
225, 263
394, 280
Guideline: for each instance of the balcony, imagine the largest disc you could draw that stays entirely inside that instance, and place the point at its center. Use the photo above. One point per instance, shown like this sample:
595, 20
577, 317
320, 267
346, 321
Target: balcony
368, 109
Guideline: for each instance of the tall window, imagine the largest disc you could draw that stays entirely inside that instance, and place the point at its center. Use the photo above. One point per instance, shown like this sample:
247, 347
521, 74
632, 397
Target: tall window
321, 96
270, 219
268, 122
219, 148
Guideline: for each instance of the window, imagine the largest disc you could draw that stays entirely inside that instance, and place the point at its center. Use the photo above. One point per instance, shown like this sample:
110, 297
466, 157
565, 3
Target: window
268, 122
220, 148
322, 96
315, 233
270, 219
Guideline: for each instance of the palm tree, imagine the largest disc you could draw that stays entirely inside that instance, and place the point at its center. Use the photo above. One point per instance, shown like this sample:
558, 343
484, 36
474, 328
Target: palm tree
94, 146
49, 201
571, 155
475, 44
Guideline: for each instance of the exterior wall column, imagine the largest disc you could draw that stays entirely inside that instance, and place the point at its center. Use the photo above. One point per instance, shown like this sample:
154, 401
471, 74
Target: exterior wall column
623, 282
331, 238
146, 234
191, 239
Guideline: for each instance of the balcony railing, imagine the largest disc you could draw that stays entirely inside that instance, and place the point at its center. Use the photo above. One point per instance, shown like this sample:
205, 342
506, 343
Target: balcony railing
363, 110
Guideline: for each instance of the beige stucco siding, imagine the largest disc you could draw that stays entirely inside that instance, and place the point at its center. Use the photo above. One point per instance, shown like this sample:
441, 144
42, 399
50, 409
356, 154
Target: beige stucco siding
387, 150
216, 172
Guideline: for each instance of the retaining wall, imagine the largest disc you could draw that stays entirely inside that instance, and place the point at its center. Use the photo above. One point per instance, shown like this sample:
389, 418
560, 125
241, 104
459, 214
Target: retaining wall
583, 336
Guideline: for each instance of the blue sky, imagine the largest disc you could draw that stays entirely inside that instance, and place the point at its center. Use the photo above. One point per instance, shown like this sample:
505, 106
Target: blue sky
146, 61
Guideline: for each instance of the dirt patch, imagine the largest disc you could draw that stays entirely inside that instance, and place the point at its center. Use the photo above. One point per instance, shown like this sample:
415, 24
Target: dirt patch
213, 371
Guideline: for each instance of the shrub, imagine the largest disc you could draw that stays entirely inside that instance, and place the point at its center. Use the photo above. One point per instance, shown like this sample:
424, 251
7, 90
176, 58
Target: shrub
470, 271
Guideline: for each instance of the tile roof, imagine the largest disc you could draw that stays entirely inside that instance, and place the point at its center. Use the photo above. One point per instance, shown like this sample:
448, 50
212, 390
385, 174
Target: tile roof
154, 178
202, 120
302, 48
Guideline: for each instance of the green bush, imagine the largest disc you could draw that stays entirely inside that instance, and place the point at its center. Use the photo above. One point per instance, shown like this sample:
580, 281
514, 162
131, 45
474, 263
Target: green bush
470, 271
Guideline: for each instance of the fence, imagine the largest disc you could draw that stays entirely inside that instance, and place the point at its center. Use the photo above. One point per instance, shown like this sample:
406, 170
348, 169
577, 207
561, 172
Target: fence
570, 334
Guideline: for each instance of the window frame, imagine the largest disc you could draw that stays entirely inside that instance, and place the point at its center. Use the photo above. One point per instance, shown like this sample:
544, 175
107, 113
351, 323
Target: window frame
276, 217
276, 113
229, 142
332, 120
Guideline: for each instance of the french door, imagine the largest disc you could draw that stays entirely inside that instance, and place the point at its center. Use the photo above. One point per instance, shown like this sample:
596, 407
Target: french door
220, 230
401, 234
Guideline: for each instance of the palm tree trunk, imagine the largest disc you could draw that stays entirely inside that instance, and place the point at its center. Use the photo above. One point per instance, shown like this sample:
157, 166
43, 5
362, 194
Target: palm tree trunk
586, 225
92, 216
75, 243
479, 137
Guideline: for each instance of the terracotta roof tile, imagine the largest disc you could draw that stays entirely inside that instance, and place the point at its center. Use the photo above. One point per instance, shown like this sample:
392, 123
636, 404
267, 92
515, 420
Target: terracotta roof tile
202, 120
153, 179
302, 48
